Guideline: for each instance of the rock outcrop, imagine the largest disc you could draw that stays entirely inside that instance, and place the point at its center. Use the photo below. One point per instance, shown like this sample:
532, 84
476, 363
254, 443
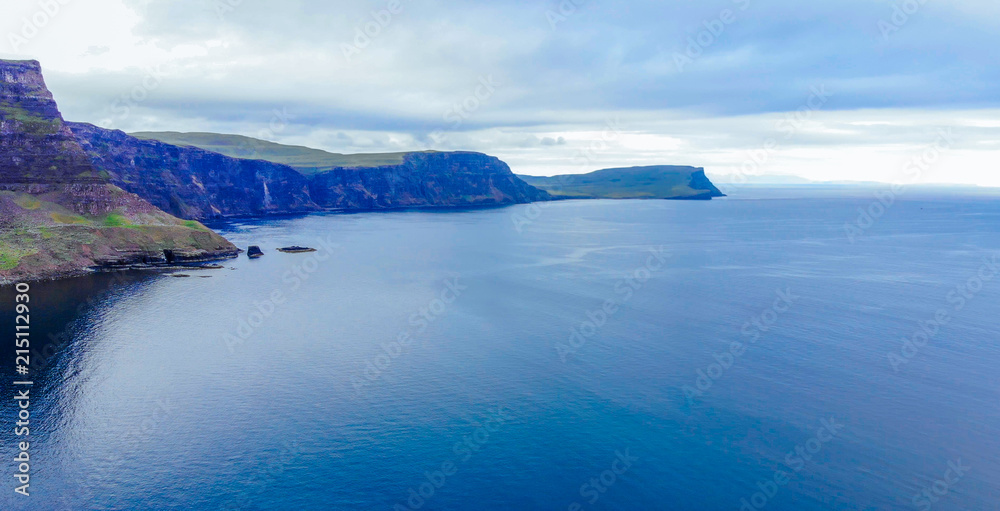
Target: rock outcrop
36, 146
59, 215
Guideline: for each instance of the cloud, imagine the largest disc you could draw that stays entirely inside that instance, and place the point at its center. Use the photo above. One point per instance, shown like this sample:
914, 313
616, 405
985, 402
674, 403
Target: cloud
94, 51
387, 77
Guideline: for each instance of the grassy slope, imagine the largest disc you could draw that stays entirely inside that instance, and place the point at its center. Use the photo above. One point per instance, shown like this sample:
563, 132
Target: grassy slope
656, 182
41, 238
304, 159
58, 215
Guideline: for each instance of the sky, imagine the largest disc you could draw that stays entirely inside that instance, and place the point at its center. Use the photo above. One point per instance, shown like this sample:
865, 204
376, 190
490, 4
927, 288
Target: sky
871, 90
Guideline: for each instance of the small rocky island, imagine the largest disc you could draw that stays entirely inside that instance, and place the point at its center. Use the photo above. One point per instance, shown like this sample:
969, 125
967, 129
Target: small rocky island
295, 249
253, 252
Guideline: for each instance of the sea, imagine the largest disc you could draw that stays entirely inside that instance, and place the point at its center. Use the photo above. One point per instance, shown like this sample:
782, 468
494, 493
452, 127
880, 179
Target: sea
788, 349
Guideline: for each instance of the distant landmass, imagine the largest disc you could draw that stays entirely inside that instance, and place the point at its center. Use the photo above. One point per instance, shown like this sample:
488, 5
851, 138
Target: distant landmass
790, 180
652, 182
762, 179
59, 214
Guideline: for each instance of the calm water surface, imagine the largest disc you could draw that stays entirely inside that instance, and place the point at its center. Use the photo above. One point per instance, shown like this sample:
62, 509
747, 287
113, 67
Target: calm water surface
533, 359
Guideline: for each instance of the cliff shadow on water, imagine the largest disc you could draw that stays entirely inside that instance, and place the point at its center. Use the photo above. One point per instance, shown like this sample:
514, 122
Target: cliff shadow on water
61, 313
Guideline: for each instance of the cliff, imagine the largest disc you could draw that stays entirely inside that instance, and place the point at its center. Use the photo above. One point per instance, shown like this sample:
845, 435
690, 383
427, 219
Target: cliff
652, 182
36, 147
194, 182
452, 179
59, 215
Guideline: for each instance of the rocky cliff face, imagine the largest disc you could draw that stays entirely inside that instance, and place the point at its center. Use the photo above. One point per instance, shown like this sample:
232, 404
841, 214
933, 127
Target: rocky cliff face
194, 183
424, 179
59, 215
36, 146
700, 181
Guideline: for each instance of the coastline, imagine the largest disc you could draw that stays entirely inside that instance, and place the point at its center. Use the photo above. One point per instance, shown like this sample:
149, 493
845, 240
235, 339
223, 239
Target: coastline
111, 267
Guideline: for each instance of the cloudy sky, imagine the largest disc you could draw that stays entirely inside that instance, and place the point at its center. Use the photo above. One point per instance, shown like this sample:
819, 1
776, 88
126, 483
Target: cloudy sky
846, 90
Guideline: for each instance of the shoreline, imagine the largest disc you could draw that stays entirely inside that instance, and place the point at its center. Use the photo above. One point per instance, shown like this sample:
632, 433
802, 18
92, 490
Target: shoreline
110, 268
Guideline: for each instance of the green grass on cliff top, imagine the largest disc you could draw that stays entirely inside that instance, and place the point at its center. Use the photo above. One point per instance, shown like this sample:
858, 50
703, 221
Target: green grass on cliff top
304, 159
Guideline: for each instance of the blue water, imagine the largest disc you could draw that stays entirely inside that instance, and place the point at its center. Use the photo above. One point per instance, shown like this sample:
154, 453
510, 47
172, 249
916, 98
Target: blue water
162, 396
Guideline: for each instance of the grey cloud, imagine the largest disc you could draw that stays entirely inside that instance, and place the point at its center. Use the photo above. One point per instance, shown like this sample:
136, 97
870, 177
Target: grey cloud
613, 54
94, 51
605, 58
